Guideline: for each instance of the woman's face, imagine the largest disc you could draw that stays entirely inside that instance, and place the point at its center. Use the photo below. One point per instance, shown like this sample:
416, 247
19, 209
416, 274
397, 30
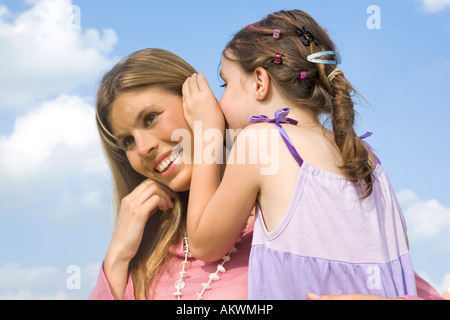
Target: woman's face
143, 122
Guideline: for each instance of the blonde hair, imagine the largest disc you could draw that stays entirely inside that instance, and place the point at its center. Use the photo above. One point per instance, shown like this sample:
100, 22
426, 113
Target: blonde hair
143, 69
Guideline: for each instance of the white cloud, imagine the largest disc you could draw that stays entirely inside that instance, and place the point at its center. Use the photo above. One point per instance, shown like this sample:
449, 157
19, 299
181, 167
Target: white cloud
432, 6
18, 282
60, 133
42, 55
52, 165
427, 220
442, 286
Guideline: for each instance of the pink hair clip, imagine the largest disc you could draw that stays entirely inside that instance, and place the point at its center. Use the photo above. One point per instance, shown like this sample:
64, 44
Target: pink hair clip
276, 34
277, 59
303, 74
325, 31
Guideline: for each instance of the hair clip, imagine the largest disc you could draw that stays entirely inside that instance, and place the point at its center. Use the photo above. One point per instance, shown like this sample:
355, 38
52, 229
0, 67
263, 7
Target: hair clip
313, 58
306, 37
277, 59
336, 72
276, 34
325, 31
303, 74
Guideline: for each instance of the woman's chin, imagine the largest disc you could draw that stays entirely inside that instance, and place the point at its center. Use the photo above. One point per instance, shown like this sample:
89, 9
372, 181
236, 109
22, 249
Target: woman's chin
182, 181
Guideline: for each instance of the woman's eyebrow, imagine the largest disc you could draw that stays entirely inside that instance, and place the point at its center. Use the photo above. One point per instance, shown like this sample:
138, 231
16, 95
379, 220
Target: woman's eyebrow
138, 119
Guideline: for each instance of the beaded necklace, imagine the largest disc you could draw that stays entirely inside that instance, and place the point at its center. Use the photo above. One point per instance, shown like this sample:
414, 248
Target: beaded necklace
180, 284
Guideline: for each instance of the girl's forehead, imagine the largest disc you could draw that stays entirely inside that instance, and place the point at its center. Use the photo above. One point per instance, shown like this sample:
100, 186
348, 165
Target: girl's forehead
228, 67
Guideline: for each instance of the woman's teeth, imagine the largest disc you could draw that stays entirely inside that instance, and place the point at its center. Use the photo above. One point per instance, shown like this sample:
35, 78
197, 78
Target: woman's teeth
166, 163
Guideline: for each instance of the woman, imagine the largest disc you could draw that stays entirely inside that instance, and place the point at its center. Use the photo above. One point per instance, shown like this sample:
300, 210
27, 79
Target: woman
139, 105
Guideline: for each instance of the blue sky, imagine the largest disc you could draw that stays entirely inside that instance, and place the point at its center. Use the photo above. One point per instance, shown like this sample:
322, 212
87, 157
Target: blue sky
54, 183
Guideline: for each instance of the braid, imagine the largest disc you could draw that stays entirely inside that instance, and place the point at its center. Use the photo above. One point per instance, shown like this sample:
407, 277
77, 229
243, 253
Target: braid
355, 156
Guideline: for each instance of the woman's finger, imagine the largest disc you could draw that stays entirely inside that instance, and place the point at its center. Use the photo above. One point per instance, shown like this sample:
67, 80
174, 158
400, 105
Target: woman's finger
155, 202
154, 190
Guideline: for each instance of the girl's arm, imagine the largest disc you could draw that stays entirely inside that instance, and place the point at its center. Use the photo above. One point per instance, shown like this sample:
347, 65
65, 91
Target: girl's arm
217, 211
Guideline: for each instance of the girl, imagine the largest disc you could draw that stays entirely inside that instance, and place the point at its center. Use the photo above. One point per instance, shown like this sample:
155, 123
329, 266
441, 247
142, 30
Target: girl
327, 222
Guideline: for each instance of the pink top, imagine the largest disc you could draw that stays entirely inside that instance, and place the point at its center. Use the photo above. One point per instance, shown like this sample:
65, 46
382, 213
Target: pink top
231, 286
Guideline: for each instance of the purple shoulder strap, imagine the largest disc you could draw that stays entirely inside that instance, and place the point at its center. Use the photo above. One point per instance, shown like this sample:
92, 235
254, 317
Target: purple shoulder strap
281, 117
367, 135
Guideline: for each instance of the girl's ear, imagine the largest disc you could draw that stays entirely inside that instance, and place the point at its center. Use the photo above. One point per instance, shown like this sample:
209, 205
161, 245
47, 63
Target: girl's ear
261, 83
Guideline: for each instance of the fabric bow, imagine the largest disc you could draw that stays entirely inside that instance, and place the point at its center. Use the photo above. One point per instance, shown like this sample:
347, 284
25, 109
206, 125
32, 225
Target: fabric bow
280, 117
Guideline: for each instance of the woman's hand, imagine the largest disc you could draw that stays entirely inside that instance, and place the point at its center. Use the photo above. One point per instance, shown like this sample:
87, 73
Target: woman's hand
135, 210
200, 104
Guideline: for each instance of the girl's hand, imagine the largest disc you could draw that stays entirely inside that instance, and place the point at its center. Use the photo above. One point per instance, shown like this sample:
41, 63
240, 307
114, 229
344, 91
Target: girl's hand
135, 210
200, 104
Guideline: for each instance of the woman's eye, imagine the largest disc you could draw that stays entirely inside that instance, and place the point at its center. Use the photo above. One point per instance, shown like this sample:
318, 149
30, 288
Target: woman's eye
150, 119
224, 85
127, 142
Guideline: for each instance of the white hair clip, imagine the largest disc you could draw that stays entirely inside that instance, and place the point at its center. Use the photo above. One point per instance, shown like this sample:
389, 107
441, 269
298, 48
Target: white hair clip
313, 58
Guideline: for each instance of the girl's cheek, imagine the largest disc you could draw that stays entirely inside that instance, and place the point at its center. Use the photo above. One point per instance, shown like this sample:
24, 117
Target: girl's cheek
224, 106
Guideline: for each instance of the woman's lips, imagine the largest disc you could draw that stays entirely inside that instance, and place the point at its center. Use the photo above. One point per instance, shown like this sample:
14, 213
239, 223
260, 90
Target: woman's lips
166, 160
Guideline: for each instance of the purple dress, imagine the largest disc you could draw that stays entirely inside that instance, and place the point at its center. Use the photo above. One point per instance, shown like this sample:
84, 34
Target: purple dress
329, 240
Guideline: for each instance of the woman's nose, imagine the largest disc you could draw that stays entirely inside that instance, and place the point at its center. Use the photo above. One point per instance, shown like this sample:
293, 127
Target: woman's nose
145, 144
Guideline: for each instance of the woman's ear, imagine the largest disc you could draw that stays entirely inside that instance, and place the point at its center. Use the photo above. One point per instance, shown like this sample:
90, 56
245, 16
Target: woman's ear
261, 83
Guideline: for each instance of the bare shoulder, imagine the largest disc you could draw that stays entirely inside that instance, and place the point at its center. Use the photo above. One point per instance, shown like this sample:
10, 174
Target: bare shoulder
316, 146
256, 146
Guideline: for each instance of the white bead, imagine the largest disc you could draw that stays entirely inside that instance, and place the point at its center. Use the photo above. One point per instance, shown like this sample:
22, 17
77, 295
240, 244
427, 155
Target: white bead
178, 294
214, 277
199, 296
184, 274
221, 268
186, 264
226, 258
206, 286
179, 285
233, 250
238, 240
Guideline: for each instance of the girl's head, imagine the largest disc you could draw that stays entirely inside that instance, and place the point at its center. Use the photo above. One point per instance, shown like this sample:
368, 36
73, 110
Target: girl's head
138, 106
281, 45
